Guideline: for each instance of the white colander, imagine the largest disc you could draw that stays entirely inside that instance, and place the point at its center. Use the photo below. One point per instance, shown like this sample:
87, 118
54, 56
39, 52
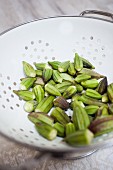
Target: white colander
39, 41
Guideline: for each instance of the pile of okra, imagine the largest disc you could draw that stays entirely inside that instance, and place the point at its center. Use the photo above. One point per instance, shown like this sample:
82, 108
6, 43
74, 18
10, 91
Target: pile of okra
50, 89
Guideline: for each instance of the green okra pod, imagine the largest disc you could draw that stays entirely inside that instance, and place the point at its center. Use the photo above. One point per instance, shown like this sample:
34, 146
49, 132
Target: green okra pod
46, 130
39, 93
30, 106
92, 83
63, 66
60, 116
57, 77
24, 94
52, 90
60, 129
29, 70
27, 83
93, 93
54, 64
81, 137
71, 69
40, 117
78, 63
45, 105
70, 128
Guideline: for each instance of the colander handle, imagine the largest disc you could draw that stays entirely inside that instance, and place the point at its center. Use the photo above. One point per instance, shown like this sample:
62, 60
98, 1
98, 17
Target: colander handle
107, 14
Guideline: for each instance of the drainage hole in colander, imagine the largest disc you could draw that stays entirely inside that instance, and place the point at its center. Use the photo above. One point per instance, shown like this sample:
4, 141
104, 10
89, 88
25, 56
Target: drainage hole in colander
9, 88
47, 44
14, 83
17, 105
94, 58
0, 75
11, 108
21, 130
32, 42
74, 50
103, 48
3, 106
26, 48
31, 56
99, 41
96, 50
26, 136
0, 96
8, 78
91, 38
54, 145
53, 58
36, 139
31, 131
7, 100
83, 48
39, 41
12, 95
35, 49
42, 144
13, 129
2, 84
46, 57
103, 55
42, 50
83, 38
4, 92
31, 141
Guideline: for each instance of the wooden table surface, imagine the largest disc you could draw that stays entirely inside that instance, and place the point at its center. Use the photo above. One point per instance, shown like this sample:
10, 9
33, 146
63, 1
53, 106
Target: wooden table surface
14, 12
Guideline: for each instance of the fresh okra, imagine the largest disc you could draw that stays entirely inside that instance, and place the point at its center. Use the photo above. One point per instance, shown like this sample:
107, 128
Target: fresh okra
40, 117
45, 105
82, 77
29, 70
52, 90
27, 83
92, 83
60, 116
47, 73
25, 95
81, 137
102, 86
39, 93
61, 102
78, 63
57, 77
54, 64
87, 64
93, 93
60, 129
71, 69
91, 109
51, 84
70, 128
30, 106
46, 130
92, 73
63, 66
63, 86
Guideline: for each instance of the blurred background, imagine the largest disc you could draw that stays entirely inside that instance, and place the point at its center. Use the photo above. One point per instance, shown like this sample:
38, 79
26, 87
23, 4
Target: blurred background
14, 12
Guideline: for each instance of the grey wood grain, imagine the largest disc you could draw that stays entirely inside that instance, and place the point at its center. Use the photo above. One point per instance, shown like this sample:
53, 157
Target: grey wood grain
14, 12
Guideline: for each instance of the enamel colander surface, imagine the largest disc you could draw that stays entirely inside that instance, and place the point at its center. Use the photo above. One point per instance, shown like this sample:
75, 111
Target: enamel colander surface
41, 41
